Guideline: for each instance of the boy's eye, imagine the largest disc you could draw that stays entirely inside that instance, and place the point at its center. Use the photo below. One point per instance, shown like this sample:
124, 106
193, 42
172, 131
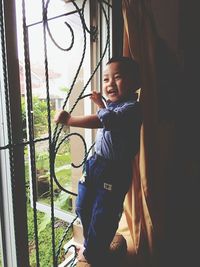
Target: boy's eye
117, 77
105, 79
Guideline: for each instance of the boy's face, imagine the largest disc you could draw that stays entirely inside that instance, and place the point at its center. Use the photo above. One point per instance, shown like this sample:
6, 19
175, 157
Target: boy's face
116, 83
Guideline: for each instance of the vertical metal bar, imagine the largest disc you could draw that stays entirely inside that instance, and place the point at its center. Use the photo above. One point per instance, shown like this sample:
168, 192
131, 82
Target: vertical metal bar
117, 32
100, 42
49, 130
30, 129
109, 54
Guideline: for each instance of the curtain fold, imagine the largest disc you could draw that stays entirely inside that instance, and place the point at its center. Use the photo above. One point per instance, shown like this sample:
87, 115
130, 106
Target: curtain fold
145, 201
139, 43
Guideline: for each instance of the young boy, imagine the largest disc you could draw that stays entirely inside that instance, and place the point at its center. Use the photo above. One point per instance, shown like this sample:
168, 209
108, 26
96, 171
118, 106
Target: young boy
107, 173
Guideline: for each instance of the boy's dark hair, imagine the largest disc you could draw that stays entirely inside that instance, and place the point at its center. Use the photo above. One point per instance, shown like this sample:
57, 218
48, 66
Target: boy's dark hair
130, 67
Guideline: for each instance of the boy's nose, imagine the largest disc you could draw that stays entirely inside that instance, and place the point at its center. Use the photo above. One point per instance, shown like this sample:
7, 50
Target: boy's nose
111, 81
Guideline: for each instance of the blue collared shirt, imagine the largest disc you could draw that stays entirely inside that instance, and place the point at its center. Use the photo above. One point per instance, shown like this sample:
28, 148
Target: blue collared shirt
120, 135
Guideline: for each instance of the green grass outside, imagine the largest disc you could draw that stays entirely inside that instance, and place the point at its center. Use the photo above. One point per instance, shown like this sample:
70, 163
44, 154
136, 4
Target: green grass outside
62, 201
45, 238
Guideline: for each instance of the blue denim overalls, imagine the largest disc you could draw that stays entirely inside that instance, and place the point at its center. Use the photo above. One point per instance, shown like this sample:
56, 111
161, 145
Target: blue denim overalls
99, 204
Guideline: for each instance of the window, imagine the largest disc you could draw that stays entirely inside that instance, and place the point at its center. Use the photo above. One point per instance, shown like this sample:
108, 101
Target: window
62, 46
69, 51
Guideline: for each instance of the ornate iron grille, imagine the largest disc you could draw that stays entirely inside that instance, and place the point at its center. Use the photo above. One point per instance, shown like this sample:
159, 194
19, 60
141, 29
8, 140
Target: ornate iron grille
93, 31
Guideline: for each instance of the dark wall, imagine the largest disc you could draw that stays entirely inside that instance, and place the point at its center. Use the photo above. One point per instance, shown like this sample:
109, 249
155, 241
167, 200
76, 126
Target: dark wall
166, 14
182, 246
178, 23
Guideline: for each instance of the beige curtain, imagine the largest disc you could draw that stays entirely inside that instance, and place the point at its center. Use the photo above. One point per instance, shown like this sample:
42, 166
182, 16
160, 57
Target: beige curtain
144, 216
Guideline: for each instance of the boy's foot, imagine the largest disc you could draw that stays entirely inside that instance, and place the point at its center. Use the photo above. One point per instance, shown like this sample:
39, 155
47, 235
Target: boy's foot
83, 264
80, 256
79, 247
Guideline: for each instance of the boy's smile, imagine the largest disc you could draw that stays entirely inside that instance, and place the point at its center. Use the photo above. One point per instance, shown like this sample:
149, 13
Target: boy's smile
112, 92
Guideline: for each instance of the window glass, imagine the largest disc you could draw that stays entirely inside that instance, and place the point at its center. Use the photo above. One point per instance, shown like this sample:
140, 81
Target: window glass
54, 8
55, 69
65, 49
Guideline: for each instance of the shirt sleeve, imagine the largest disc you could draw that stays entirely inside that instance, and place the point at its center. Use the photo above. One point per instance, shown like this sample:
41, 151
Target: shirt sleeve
121, 117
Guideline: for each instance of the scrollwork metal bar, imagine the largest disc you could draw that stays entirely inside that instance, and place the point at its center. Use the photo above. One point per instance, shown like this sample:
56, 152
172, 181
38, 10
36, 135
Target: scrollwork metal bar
53, 138
81, 96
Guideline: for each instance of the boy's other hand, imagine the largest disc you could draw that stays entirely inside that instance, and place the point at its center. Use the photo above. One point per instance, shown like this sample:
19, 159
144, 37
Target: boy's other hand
97, 99
62, 117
